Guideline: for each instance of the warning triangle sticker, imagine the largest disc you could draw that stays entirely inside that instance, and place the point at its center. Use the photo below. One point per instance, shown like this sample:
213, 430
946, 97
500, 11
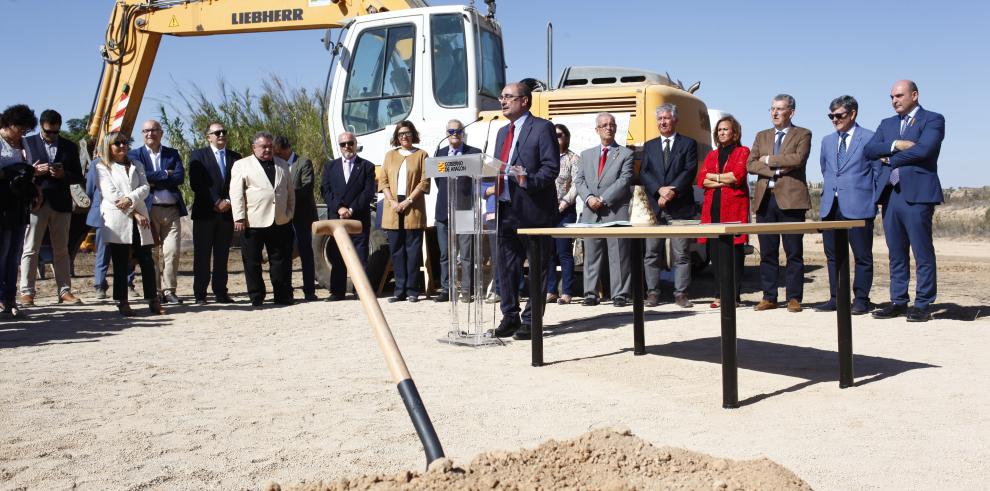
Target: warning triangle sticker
174, 22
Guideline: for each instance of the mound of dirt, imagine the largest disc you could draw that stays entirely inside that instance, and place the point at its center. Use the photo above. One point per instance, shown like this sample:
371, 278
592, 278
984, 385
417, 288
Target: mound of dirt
603, 459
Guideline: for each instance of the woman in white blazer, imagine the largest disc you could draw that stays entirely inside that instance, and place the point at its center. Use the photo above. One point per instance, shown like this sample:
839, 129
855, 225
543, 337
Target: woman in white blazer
127, 229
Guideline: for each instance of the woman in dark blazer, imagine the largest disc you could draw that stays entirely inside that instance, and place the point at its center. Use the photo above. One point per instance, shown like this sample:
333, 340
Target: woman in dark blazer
723, 177
403, 181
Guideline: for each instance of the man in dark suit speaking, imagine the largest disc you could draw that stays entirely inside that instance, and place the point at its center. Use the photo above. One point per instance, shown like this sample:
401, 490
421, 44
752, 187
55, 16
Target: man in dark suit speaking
213, 224
908, 144
527, 197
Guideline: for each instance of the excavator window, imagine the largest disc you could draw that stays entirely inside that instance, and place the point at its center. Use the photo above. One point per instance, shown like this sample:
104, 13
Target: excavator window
450, 83
379, 88
491, 64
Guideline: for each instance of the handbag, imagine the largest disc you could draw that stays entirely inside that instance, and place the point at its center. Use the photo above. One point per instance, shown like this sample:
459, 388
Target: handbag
80, 201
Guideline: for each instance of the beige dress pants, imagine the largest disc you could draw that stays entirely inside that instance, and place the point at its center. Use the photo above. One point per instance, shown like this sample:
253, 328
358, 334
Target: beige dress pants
166, 221
57, 225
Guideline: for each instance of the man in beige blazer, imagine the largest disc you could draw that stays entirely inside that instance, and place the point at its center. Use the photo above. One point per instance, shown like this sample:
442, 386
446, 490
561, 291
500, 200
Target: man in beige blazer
262, 201
778, 159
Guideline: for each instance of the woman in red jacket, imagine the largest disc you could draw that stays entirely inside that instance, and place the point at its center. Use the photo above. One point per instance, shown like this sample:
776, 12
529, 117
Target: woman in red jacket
726, 191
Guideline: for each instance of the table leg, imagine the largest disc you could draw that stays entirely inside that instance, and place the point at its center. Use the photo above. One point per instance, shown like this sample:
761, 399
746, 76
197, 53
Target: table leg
639, 338
727, 295
842, 309
536, 297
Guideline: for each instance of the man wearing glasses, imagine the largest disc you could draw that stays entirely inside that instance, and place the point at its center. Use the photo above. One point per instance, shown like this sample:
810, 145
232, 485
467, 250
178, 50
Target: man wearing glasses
348, 189
165, 172
456, 138
56, 166
527, 197
778, 159
213, 224
305, 211
850, 192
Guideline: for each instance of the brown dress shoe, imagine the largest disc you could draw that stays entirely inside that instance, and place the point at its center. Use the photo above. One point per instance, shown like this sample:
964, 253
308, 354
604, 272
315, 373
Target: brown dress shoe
793, 305
69, 298
155, 306
552, 298
765, 305
564, 300
652, 299
125, 309
26, 300
682, 301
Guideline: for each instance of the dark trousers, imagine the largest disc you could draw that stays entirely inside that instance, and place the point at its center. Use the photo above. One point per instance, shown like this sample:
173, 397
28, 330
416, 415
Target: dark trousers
563, 254
740, 260
211, 240
769, 212
277, 240
303, 234
11, 248
78, 230
120, 254
909, 225
861, 242
338, 270
513, 249
443, 243
406, 248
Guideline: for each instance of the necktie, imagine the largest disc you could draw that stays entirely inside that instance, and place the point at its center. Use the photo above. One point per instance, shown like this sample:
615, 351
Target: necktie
347, 171
904, 123
841, 159
666, 151
777, 142
895, 175
222, 160
504, 157
601, 161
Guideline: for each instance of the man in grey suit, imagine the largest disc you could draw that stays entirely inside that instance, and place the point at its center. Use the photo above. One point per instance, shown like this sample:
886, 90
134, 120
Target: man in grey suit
305, 211
850, 192
603, 179
668, 170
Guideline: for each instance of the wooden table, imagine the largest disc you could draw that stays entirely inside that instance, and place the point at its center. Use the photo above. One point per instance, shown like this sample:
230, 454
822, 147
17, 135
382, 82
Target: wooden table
724, 234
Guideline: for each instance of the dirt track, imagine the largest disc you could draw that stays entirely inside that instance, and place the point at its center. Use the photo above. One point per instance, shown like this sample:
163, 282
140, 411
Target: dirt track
231, 397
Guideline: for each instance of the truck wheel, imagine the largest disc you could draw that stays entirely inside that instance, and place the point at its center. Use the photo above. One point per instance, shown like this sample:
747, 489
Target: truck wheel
378, 257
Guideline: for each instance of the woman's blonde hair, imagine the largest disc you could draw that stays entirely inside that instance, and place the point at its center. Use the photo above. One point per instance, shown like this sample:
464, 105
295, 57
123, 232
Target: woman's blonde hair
104, 150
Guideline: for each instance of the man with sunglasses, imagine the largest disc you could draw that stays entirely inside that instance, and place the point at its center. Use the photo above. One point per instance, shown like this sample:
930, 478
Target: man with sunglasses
348, 189
213, 224
165, 172
56, 167
456, 138
850, 192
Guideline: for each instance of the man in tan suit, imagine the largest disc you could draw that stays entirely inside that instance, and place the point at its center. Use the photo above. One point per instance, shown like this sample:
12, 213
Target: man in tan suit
778, 159
262, 201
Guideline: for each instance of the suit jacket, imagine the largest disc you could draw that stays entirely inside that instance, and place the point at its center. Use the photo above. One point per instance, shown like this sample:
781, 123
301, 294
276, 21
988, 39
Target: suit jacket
254, 198
538, 152
116, 183
733, 205
357, 193
613, 187
208, 185
790, 189
857, 180
170, 160
680, 172
463, 184
56, 191
918, 165
303, 180
414, 216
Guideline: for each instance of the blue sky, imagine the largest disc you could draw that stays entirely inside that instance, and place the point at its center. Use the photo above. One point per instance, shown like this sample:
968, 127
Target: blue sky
742, 52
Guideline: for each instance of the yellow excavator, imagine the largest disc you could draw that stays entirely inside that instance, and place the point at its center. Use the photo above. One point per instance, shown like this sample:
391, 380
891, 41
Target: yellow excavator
398, 59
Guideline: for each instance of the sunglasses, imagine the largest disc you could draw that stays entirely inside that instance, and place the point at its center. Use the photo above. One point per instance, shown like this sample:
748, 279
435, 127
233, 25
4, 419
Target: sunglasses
218, 133
560, 135
120, 143
348, 143
50, 132
151, 130
455, 132
405, 133
837, 116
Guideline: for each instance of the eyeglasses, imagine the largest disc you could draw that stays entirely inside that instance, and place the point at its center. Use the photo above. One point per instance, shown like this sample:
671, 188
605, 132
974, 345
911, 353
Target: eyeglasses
779, 109
604, 126
837, 116
508, 97
348, 143
120, 143
218, 133
455, 132
150, 130
404, 133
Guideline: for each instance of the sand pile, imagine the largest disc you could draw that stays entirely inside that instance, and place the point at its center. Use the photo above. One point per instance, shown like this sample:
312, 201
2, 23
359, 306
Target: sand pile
602, 459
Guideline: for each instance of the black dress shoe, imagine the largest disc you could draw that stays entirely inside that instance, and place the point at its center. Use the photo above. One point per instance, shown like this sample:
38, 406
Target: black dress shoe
335, 297
918, 315
413, 298
399, 298
201, 301
442, 297
506, 328
890, 311
224, 298
619, 302
285, 301
257, 303
825, 307
311, 297
525, 333
590, 300
860, 308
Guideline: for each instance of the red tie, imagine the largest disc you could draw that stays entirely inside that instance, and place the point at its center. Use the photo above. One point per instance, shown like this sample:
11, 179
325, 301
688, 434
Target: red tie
601, 161
504, 157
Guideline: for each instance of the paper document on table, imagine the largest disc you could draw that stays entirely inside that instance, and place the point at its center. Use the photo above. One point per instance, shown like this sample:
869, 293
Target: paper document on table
619, 223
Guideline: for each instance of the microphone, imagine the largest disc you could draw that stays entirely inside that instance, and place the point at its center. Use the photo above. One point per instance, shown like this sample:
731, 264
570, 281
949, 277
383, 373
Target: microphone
485, 150
448, 136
